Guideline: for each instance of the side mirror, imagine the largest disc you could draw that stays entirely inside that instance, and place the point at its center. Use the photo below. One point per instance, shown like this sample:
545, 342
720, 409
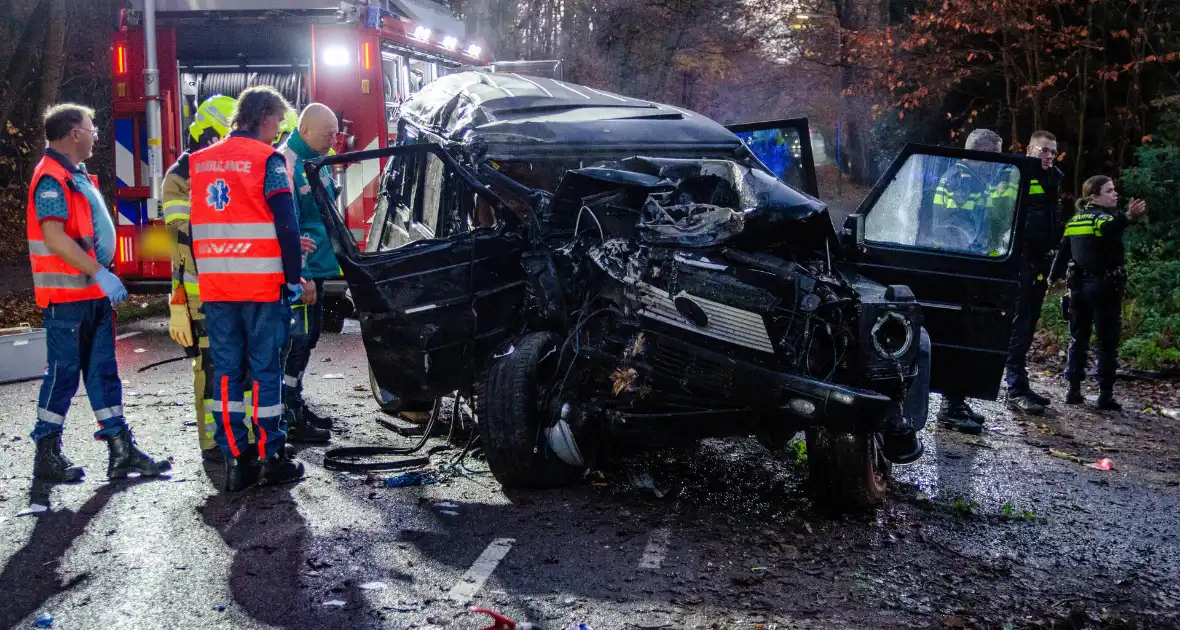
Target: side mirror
853, 234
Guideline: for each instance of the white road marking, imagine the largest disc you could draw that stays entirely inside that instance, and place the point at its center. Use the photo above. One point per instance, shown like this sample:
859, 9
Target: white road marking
657, 548
478, 574
128, 335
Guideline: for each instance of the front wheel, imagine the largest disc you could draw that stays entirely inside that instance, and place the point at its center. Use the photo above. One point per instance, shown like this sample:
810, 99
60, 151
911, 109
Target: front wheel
513, 417
848, 470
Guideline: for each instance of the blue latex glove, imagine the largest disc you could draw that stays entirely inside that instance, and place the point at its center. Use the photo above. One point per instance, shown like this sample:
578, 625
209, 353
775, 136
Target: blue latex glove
294, 294
111, 285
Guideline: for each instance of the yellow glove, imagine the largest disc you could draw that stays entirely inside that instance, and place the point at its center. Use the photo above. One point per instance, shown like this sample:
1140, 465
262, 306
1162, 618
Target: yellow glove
179, 326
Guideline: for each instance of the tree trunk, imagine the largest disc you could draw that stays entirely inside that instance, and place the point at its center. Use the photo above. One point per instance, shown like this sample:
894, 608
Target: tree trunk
1083, 77
53, 60
858, 15
23, 60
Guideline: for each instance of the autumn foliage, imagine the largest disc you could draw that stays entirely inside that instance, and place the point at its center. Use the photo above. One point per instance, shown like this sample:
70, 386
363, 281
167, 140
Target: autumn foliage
1097, 73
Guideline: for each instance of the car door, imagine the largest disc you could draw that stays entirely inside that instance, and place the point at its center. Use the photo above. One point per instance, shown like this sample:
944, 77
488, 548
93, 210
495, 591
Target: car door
784, 147
943, 221
435, 300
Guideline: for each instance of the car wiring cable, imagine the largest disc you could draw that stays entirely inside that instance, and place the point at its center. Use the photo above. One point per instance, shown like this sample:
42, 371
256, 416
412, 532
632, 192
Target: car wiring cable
346, 458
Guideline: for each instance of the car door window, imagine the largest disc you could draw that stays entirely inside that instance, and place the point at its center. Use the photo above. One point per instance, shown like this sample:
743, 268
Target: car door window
949, 204
420, 198
431, 193
784, 146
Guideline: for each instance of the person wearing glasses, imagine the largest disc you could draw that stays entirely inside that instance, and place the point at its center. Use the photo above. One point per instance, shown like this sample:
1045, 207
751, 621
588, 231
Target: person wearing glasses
1040, 236
71, 239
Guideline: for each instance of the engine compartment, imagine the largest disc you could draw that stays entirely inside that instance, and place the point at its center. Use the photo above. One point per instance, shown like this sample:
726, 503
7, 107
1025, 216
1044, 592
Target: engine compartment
707, 289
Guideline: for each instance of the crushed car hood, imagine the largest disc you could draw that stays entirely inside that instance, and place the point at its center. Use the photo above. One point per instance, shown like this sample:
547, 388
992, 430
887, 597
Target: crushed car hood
706, 203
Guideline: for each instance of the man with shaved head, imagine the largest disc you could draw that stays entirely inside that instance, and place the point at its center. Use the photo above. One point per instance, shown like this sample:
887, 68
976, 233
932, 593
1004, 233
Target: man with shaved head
313, 138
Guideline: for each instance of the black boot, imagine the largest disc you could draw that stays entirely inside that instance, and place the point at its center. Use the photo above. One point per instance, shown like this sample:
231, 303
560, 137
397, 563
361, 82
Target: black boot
51, 464
1025, 403
958, 416
1039, 399
316, 420
280, 468
241, 472
1074, 395
1107, 402
300, 431
125, 457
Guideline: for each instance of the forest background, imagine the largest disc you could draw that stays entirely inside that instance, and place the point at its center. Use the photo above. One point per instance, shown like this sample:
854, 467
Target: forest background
871, 75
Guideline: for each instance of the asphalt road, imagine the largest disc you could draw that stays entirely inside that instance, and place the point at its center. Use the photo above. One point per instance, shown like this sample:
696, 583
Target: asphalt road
735, 543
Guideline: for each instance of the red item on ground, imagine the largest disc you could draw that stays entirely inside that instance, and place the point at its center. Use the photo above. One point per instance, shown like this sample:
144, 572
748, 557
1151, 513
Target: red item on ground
499, 622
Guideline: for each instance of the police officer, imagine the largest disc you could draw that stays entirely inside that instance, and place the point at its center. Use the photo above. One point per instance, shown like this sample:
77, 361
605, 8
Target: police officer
315, 133
1040, 234
187, 323
246, 244
71, 241
1091, 258
961, 222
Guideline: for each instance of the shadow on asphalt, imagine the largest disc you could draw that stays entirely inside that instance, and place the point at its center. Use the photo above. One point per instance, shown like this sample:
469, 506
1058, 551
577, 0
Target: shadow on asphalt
30, 577
268, 535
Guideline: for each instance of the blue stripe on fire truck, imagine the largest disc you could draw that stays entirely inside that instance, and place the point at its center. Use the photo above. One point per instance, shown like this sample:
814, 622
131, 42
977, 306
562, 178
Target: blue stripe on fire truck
130, 212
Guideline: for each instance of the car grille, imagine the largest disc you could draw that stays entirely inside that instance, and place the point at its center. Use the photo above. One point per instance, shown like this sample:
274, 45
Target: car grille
729, 324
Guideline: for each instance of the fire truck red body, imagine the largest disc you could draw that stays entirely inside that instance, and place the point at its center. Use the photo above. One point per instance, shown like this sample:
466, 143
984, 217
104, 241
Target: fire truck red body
359, 58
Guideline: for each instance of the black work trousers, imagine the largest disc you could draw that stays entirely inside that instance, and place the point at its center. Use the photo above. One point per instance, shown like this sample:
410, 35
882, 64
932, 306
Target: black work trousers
1033, 285
1094, 303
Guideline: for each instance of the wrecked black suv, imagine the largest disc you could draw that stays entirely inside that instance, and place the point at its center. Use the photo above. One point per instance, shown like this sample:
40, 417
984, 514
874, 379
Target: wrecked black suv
606, 274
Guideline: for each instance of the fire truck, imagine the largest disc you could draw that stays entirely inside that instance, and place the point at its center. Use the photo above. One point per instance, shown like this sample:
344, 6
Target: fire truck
359, 57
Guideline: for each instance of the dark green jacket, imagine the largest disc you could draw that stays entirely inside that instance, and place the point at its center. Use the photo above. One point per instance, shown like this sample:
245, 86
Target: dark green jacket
322, 262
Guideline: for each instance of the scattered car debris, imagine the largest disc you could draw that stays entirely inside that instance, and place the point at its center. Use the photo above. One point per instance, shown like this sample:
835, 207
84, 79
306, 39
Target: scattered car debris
417, 478
1102, 464
644, 481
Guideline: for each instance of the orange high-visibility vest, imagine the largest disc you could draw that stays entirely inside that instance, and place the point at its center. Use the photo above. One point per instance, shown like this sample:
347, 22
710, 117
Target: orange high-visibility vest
234, 239
54, 279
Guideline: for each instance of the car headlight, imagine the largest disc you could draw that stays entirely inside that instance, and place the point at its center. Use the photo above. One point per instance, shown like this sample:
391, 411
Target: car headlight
892, 335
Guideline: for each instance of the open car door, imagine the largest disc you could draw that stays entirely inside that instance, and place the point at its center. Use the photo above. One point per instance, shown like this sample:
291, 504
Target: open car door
435, 292
943, 221
784, 147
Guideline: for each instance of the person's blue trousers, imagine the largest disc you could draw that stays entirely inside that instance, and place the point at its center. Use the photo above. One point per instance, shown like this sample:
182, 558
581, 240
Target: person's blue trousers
80, 341
307, 323
256, 333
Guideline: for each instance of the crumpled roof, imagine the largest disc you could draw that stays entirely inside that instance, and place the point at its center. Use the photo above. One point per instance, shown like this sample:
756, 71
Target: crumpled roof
508, 109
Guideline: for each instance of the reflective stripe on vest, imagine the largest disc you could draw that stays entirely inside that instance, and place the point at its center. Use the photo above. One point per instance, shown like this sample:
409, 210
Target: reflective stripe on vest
234, 240
55, 280
176, 210
1035, 188
1087, 224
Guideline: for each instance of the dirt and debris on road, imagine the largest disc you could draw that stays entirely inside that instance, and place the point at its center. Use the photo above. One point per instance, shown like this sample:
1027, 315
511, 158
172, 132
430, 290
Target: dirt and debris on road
991, 531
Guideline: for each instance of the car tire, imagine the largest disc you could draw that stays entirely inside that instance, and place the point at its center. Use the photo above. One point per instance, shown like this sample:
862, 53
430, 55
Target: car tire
848, 471
510, 416
336, 310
